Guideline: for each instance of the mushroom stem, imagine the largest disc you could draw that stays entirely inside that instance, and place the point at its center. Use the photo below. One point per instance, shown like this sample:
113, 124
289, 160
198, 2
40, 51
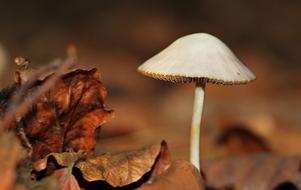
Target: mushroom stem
196, 125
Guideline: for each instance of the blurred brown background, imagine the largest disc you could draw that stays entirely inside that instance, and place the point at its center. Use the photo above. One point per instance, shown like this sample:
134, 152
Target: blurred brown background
117, 36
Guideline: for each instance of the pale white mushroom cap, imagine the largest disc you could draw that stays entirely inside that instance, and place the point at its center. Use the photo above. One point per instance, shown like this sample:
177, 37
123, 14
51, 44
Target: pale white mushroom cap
197, 57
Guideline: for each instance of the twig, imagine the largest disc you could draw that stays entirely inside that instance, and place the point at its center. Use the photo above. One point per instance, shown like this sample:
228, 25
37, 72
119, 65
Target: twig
28, 101
15, 101
20, 131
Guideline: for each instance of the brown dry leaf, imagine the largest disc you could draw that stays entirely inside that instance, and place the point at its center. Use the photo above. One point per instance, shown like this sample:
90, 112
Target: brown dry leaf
65, 118
120, 169
65, 159
10, 154
258, 172
117, 170
239, 141
180, 175
162, 164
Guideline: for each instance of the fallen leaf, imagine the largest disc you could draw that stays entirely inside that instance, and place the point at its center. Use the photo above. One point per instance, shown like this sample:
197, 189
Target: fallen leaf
239, 140
117, 170
60, 129
180, 175
258, 172
65, 159
65, 117
163, 162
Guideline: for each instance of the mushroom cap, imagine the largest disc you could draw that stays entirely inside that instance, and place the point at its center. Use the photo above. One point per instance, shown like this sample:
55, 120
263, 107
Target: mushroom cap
197, 57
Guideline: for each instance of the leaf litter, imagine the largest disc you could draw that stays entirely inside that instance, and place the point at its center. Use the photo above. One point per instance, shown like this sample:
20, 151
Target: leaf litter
57, 129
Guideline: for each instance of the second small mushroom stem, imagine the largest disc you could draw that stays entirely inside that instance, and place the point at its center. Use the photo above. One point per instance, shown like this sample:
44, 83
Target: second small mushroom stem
196, 125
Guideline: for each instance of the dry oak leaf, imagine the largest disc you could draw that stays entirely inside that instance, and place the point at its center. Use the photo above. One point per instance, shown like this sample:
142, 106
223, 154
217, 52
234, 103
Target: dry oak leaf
117, 170
65, 117
258, 172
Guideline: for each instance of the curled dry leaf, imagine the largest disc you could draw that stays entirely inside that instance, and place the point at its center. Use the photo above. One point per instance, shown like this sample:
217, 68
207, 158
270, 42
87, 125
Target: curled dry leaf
258, 172
180, 175
10, 151
65, 159
117, 170
65, 117
175, 175
162, 164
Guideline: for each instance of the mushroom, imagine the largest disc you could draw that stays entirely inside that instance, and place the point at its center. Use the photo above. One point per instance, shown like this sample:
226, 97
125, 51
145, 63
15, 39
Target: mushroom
197, 58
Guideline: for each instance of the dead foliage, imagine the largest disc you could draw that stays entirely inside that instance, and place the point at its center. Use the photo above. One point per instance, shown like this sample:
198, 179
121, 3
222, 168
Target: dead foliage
57, 128
259, 171
65, 117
